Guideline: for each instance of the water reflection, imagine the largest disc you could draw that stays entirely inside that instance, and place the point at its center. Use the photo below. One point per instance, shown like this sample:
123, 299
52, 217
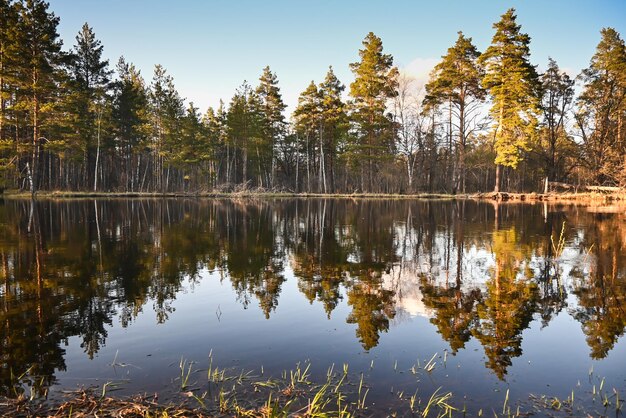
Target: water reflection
476, 270
601, 294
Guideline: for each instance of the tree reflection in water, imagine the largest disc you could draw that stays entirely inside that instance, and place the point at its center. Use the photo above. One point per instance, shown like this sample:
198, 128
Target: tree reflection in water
480, 271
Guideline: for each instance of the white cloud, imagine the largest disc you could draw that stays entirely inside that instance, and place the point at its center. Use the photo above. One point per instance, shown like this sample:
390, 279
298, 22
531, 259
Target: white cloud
419, 69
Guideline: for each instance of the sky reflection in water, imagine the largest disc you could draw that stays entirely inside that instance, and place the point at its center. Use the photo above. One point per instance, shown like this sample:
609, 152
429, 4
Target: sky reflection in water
524, 297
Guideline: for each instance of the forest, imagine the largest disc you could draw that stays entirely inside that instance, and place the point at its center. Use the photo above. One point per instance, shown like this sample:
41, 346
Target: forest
484, 121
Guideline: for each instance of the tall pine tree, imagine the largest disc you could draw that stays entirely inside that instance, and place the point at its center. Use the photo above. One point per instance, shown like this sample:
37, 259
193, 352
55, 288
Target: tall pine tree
555, 147
90, 76
166, 111
38, 62
321, 121
375, 83
273, 124
307, 116
334, 125
245, 123
512, 83
130, 112
8, 24
602, 111
214, 122
8, 49
456, 82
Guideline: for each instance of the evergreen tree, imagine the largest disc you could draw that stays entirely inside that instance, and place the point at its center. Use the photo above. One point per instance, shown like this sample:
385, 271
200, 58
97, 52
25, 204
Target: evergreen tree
456, 82
158, 115
130, 112
90, 78
555, 148
307, 118
214, 125
602, 111
273, 123
8, 23
245, 124
333, 127
167, 111
375, 83
192, 150
512, 83
38, 61
8, 49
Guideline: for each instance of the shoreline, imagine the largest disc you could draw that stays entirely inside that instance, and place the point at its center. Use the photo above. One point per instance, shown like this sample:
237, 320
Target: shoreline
501, 197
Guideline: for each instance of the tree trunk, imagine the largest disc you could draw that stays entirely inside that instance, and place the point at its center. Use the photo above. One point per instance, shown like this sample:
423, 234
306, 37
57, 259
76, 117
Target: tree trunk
498, 133
272, 165
496, 189
452, 169
228, 162
322, 162
332, 173
2, 102
260, 173
297, 185
462, 143
308, 166
95, 174
244, 169
35, 154
409, 173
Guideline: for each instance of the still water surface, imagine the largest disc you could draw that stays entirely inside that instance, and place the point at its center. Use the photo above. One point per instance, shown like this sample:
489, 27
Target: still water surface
528, 298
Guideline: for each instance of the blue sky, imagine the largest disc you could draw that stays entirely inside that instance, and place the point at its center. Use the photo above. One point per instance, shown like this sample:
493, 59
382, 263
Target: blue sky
210, 47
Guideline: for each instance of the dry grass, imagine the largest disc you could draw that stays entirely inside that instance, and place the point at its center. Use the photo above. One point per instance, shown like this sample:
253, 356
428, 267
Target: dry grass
85, 404
587, 197
245, 193
237, 193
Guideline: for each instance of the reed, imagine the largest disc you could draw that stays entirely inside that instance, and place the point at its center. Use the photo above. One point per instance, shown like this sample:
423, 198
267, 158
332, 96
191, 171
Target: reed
441, 402
295, 393
185, 372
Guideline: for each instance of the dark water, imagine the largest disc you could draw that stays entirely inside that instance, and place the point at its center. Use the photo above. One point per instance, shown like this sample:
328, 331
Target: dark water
529, 298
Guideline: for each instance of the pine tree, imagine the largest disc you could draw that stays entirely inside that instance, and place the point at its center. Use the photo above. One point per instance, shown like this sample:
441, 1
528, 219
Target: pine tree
307, 116
245, 133
8, 23
333, 127
8, 49
130, 112
166, 110
90, 79
375, 83
216, 131
38, 61
456, 82
555, 147
157, 97
602, 110
192, 150
512, 83
273, 125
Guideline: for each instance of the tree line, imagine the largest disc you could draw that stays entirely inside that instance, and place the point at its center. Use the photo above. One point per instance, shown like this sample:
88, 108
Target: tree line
484, 121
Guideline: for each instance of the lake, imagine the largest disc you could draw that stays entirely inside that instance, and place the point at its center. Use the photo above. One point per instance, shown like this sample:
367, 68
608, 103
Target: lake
494, 303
